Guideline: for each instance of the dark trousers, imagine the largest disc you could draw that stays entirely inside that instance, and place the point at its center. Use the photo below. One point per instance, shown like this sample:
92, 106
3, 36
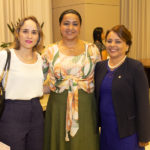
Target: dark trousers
21, 125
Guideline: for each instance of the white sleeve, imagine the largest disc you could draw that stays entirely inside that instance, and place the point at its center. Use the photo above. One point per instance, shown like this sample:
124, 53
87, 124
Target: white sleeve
3, 56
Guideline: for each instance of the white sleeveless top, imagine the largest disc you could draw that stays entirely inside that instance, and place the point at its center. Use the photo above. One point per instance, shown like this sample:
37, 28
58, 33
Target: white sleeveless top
25, 81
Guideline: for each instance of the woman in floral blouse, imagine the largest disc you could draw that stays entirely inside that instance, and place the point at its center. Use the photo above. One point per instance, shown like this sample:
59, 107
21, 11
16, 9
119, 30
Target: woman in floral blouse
71, 115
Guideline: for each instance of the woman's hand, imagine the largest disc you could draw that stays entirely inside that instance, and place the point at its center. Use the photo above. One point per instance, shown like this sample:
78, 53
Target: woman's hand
143, 144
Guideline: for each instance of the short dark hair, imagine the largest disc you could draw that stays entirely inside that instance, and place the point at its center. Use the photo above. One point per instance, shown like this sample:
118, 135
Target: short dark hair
97, 34
70, 11
123, 33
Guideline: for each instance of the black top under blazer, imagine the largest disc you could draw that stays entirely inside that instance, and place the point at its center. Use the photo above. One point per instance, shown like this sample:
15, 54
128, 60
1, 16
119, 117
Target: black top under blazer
130, 95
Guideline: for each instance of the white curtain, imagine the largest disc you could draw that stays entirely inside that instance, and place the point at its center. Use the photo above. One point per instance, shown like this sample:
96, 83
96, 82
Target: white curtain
135, 15
12, 10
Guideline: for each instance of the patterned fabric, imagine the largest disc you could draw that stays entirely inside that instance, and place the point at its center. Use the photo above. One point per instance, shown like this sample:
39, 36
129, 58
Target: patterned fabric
71, 73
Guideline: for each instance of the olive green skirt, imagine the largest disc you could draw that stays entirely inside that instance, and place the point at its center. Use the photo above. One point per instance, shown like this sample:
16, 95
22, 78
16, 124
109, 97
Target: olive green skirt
87, 137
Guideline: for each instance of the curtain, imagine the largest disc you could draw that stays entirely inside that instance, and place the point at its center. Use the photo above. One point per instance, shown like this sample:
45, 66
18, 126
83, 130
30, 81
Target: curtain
12, 10
134, 15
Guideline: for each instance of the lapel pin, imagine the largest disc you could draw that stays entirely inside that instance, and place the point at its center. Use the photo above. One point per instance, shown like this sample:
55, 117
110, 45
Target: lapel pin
119, 76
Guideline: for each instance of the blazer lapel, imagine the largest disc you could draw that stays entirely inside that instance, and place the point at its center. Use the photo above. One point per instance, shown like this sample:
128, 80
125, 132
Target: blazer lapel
100, 73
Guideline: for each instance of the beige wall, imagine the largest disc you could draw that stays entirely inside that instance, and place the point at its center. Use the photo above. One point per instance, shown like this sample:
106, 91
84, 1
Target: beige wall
105, 13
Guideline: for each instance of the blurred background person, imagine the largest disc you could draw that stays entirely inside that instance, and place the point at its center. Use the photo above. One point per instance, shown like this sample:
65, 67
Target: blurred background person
98, 37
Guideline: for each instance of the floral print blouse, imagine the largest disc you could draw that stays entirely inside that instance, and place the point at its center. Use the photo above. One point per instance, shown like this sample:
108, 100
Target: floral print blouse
71, 73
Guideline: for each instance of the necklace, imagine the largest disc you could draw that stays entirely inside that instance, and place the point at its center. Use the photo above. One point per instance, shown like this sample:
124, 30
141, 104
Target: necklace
74, 50
117, 65
29, 58
26, 59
